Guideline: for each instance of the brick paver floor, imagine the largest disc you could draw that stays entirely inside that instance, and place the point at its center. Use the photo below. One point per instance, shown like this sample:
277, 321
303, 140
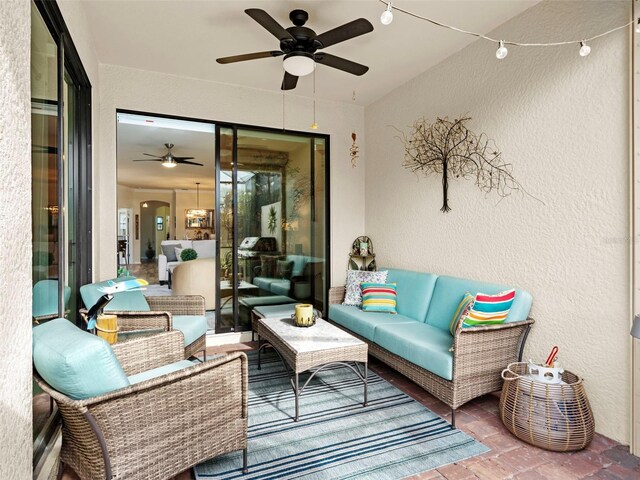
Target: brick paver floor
509, 458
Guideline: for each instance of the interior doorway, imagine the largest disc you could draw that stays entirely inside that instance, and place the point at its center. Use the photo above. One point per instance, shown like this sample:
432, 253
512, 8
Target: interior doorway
125, 236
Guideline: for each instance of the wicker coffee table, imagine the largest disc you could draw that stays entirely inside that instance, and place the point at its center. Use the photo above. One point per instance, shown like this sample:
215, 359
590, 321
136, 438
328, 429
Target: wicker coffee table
314, 348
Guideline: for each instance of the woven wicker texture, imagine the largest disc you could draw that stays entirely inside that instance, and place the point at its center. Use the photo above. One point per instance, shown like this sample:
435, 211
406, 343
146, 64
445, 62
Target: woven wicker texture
159, 318
557, 417
159, 427
479, 355
303, 361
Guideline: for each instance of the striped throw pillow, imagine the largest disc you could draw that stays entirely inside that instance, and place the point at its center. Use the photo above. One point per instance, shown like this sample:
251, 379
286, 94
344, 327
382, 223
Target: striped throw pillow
379, 297
461, 312
490, 309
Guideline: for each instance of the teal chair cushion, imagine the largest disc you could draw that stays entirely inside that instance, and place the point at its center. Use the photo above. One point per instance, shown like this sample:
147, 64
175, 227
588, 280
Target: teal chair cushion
74, 362
419, 343
45, 298
131, 301
365, 323
448, 294
414, 290
191, 326
159, 371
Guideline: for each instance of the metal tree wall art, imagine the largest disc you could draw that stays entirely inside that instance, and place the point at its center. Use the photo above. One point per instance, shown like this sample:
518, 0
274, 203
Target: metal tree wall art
448, 148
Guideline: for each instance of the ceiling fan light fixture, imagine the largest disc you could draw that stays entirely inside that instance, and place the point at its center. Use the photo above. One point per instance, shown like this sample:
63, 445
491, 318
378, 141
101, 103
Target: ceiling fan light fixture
169, 163
299, 63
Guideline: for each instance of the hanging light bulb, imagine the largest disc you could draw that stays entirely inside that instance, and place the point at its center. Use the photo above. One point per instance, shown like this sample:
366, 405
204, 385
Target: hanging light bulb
638, 25
502, 51
145, 205
387, 16
584, 49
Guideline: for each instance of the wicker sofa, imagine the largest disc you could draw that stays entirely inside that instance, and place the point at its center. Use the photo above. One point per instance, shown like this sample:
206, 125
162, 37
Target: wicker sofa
138, 409
417, 343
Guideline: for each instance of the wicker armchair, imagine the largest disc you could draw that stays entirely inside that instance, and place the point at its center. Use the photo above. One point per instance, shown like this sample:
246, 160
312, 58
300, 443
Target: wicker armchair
160, 317
479, 356
160, 427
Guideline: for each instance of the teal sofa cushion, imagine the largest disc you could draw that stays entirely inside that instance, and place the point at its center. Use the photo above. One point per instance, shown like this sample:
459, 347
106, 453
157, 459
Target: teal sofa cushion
281, 287
159, 371
131, 301
419, 343
365, 323
74, 362
265, 282
191, 326
449, 291
414, 290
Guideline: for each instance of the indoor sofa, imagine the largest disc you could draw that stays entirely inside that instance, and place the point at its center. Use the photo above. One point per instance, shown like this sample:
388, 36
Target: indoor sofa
168, 258
417, 342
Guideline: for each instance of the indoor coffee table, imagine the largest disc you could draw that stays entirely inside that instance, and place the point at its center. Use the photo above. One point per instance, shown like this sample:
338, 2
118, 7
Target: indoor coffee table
314, 348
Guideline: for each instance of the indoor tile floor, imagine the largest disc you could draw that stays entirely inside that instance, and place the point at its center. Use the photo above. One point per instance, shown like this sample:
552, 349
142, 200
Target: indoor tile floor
509, 458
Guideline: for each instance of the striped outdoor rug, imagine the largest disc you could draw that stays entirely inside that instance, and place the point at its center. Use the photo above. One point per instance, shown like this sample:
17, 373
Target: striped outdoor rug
336, 438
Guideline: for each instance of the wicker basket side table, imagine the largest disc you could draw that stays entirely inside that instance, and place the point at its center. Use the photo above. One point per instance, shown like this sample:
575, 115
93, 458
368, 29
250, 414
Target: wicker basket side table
556, 417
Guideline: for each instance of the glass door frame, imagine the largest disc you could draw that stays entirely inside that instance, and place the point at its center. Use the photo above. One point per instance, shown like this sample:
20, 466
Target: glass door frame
70, 64
313, 137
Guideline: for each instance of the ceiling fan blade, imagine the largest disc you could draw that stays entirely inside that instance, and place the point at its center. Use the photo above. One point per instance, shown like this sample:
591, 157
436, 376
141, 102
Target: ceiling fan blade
289, 81
147, 160
184, 158
249, 56
149, 155
344, 32
340, 63
268, 22
189, 163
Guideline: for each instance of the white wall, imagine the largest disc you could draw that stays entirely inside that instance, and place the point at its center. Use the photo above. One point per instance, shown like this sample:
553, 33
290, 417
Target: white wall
15, 237
562, 121
152, 92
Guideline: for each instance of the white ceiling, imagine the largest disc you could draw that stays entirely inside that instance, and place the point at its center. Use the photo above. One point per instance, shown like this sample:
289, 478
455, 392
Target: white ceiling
184, 37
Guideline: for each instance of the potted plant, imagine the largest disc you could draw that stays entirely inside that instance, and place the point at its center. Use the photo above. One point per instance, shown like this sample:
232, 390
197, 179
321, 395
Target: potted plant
150, 253
188, 254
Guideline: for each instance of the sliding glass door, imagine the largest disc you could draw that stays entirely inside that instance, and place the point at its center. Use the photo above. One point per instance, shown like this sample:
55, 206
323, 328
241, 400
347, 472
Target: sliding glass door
272, 223
61, 176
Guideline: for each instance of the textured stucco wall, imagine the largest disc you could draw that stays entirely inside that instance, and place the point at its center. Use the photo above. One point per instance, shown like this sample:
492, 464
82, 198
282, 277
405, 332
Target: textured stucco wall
127, 88
75, 18
562, 121
15, 241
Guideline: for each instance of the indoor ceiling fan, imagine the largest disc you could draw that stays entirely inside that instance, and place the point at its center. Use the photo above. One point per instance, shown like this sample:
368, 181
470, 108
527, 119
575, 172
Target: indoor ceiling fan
299, 45
168, 160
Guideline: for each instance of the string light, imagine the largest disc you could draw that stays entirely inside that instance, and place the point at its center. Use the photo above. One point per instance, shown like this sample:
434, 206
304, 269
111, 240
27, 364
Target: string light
502, 49
584, 49
387, 16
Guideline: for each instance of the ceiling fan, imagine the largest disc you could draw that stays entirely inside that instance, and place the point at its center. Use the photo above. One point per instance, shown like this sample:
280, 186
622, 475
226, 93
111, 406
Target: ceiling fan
168, 160
300, 45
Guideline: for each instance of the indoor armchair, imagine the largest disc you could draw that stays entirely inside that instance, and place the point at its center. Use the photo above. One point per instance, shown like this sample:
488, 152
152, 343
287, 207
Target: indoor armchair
137, 409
